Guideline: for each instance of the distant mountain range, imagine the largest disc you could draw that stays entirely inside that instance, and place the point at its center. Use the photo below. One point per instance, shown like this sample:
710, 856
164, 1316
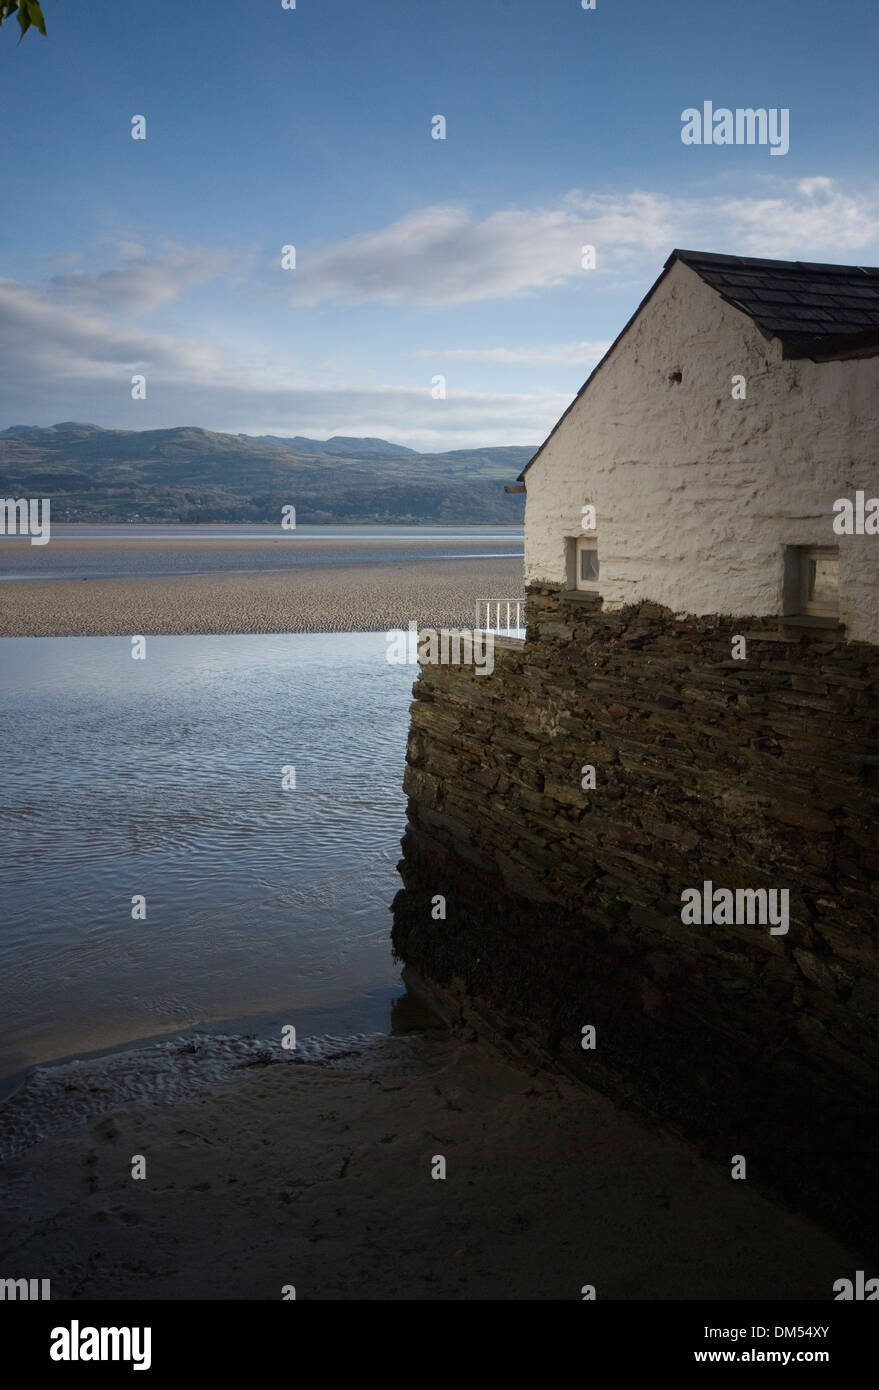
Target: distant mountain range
190, 475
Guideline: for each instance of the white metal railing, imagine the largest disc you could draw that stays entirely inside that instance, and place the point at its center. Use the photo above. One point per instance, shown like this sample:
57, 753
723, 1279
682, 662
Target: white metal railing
505, 616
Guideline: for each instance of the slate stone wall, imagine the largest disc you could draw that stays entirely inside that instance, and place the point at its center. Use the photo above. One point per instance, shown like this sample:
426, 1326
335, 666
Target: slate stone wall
563, 905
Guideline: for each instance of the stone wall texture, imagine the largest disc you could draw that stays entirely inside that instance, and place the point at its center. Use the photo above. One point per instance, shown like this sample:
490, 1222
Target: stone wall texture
563, 905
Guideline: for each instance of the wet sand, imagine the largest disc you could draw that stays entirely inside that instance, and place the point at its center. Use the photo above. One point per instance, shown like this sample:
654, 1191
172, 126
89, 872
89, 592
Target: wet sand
363, 597
318, 1174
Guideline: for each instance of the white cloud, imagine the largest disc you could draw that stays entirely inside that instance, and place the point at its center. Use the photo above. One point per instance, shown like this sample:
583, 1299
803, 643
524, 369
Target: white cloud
77, 364
554, 354
833, 227
441, 255
818, 184
131, 251
60, 340
69, 348
143, 283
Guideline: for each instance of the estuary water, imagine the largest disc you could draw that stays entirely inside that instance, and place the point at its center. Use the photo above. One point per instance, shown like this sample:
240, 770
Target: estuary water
80, 551
163, 779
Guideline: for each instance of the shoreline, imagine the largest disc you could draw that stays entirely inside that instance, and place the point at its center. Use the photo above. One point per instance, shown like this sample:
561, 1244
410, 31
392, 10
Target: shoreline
315, 1021
356, 597
294, 541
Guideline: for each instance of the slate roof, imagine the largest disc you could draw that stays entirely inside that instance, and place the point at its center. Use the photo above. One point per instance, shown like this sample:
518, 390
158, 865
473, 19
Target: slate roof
815, 310
825, 312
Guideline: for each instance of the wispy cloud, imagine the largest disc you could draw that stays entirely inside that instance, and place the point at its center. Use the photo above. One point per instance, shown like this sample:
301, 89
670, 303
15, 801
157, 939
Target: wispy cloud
442, 255
56, 339
143, 283
69, 347
81, 362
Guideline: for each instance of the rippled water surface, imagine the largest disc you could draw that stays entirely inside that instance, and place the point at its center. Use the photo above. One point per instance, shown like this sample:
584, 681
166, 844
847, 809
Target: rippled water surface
163, 777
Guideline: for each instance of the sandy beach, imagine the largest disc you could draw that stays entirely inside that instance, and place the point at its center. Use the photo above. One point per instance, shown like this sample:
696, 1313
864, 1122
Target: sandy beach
316, 1172
357, 598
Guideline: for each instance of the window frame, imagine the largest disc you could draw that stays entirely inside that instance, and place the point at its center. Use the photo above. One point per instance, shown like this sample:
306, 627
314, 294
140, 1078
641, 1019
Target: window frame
796, 606
586, 544
807, 556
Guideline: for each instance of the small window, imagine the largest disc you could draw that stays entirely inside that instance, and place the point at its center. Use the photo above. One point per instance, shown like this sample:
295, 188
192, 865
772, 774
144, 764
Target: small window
812, 581
587, 565
819, 581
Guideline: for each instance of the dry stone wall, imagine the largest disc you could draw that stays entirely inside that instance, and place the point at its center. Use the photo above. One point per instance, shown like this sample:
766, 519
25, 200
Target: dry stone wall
563, 905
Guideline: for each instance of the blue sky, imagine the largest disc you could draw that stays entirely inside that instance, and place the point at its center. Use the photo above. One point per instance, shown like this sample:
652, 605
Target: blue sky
414, 256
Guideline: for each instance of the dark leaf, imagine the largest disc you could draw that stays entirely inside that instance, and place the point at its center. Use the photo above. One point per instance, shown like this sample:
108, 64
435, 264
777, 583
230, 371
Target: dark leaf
36, 14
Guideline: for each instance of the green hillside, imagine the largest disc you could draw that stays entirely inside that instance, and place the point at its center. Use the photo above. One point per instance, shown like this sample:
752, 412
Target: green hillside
191, 475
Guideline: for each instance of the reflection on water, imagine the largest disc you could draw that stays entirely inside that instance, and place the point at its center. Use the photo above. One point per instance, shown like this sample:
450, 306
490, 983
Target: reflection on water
163, 777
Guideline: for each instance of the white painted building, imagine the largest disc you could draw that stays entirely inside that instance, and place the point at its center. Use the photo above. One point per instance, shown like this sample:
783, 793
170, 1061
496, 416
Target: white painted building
737, 406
